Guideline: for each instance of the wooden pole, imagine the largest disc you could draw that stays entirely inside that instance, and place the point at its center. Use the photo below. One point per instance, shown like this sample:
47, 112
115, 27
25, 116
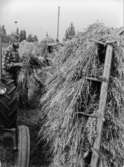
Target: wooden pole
0, 58
58, 24
102, 106
123, 12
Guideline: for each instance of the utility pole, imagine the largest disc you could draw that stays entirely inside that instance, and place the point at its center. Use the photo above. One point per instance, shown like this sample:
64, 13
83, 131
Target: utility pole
123, 12
57, 39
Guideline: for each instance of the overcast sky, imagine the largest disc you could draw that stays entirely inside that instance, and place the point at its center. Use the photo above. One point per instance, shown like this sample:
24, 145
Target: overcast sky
40, 16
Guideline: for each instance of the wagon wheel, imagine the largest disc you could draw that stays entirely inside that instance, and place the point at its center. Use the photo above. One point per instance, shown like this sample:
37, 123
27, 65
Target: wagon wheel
23, 155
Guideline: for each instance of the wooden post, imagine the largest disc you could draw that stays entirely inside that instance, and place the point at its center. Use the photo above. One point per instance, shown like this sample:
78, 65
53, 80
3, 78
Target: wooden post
102, 106
0, 58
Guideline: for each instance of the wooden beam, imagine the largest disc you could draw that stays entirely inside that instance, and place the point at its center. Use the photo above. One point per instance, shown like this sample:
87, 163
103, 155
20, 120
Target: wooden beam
102, 106
98, 79
0, 58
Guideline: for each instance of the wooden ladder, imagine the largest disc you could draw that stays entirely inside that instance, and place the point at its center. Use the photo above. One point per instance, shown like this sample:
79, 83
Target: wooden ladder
102, 104
0, 57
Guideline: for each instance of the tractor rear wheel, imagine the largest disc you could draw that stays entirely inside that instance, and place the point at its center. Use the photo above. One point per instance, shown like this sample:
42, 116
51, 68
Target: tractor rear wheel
8, 104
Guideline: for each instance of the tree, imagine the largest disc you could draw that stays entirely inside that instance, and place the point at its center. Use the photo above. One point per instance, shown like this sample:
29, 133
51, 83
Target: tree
35, 38
70, 32
22, 35
32, 38
3, 30
5, 37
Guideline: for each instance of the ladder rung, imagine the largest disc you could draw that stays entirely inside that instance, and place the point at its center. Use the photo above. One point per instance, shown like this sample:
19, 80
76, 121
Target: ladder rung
88, 115
98, 79
93, 79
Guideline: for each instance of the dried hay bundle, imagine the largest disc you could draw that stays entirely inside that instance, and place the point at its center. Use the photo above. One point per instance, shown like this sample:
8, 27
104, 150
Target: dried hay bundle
71, 98
95, 31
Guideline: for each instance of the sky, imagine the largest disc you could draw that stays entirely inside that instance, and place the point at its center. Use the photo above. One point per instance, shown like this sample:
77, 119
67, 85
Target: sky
40, 16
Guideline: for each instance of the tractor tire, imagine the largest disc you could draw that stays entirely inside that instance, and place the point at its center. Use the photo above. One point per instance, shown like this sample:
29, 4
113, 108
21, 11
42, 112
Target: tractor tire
8, 104
23, 155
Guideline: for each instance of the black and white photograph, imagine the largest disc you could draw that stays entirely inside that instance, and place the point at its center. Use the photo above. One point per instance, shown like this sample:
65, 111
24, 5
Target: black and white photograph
61, 83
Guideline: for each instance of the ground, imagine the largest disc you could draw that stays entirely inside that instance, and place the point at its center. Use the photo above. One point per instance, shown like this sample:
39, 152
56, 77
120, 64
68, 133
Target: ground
30, 118
38, 156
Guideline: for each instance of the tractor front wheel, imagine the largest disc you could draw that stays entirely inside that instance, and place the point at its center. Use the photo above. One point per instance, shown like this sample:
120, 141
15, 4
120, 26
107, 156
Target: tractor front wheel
23, 155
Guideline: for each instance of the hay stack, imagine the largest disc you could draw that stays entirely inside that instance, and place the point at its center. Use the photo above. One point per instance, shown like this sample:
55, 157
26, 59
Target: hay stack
70, 98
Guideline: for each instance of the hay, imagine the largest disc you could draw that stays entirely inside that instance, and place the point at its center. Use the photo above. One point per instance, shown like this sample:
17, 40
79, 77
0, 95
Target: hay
29, 48
33, 74
30, 84
70, 98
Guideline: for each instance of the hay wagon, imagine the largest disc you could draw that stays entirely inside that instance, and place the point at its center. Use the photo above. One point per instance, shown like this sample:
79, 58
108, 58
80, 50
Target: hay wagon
84, 102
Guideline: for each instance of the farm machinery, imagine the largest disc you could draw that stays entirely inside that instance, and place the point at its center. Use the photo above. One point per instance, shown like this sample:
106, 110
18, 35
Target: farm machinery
13, 138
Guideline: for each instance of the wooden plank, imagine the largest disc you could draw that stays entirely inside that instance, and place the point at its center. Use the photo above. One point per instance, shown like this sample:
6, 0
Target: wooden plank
102, 106
0, 58
93, 79
88, 115
98, 79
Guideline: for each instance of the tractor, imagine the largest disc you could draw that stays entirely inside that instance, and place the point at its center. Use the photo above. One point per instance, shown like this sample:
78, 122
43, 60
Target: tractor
14, 138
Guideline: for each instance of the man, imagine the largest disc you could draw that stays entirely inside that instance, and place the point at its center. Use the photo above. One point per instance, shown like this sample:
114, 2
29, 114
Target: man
11, 57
